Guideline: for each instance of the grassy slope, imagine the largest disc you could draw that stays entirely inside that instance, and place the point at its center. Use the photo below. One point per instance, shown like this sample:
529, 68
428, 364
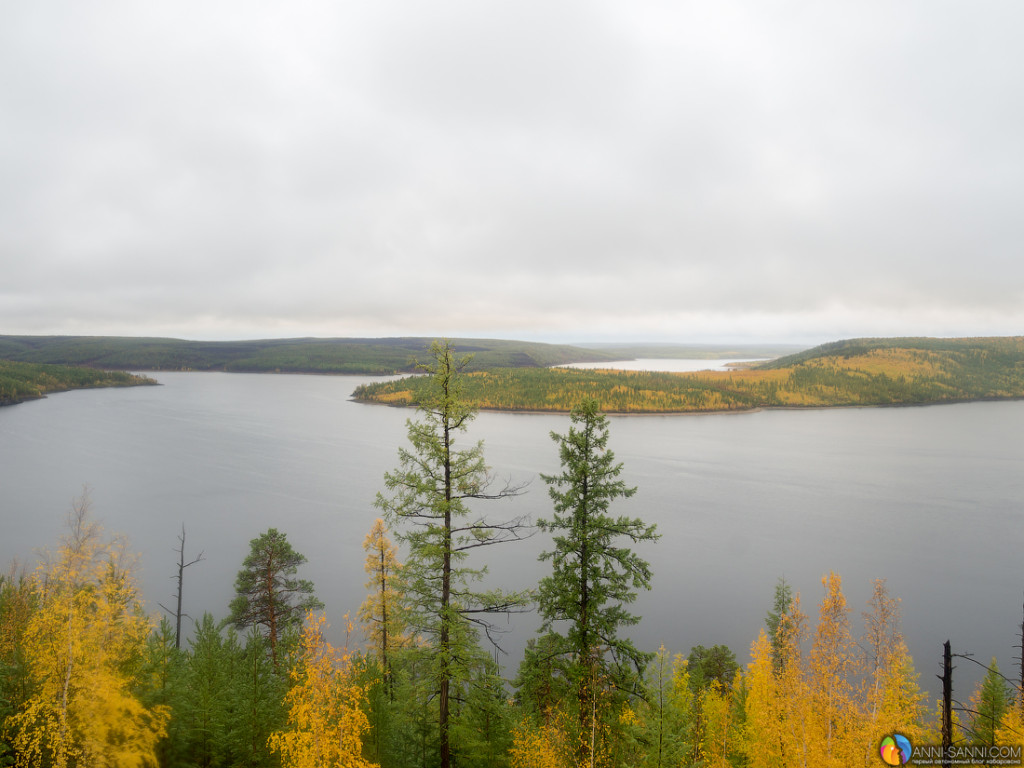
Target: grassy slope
846, 373
370, 356
27, 381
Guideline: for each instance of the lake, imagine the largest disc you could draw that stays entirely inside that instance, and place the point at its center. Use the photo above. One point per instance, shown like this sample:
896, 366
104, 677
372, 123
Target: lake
663, 364
928, 498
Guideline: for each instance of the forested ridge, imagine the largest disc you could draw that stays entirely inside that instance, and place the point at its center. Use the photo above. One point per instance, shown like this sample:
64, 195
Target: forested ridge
90, 677
304, 355
27, 381
858, 372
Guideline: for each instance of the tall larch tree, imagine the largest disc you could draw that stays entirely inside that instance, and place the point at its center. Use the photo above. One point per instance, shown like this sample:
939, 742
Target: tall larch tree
267, 593
430, 506
881, 639
831, 668
379, 613
594, 575
765, 737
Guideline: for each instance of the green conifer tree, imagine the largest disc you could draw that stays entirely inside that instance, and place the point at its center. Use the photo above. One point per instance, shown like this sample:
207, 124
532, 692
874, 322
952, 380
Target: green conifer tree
593, 575
991, 701
267, 593
430, 511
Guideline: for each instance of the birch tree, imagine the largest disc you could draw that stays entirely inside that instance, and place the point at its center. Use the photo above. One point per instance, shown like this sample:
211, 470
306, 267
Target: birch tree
86, 631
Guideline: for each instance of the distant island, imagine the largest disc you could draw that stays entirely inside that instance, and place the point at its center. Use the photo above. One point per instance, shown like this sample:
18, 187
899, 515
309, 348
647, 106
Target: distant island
855, 372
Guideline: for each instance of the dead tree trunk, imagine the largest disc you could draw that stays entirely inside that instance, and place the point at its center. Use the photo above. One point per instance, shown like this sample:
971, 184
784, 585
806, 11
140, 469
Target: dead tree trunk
182, 565
947, 703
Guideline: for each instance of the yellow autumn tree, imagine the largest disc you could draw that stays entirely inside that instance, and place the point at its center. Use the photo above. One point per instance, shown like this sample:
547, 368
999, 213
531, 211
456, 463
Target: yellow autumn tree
86, 630
1011, 727
902, 705
543, 745
379, 612
793, 687
835, 724
764, 729
326, 721
718, 732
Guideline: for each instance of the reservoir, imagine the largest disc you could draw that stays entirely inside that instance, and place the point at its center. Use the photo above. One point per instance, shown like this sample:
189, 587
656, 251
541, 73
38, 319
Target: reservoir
928, 498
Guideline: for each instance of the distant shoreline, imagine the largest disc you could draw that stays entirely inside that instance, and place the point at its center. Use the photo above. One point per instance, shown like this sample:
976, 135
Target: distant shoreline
722, 411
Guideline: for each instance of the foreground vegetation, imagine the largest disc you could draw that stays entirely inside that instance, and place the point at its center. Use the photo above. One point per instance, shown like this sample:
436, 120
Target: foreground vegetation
87, 680
849, 373
27, 381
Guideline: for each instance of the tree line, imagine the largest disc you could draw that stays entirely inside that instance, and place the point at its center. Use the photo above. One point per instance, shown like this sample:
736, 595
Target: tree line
88, 679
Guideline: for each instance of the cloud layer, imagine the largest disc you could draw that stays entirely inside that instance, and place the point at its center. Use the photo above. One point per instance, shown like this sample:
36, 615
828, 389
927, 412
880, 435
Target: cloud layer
556, 170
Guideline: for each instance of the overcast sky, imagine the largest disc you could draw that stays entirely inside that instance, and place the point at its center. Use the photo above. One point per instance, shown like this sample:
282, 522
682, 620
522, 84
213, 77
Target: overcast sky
562, 171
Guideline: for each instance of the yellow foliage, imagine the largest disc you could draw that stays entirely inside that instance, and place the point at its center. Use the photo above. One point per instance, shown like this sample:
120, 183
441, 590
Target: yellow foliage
326, 721
764, 733
86, 630
717, 732
1011, 728
543, 746
378, 613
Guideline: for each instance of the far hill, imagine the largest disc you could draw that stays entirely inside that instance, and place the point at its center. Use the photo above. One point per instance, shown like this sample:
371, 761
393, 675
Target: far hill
308, 355
857, 372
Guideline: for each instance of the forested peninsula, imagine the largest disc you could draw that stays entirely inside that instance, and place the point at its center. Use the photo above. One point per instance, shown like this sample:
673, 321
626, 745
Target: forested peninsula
856, 372
30, 381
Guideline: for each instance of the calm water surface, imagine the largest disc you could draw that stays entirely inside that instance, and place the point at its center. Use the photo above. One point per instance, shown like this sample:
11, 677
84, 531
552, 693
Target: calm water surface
927, 498
663, 364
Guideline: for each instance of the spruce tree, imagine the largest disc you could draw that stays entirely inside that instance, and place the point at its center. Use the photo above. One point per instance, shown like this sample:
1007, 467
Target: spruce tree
594, 576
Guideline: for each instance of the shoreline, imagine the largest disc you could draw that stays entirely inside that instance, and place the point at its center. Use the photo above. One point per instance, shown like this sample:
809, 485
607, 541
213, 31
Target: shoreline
723, 411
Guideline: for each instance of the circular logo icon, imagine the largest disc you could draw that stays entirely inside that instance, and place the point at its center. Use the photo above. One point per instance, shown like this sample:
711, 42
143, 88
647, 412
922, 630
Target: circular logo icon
895, 749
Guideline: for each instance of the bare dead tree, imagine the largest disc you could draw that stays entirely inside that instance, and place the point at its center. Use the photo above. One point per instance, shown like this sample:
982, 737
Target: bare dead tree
182, 565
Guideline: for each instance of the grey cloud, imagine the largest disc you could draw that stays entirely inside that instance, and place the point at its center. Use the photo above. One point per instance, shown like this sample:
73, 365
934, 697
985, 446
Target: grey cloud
549, 169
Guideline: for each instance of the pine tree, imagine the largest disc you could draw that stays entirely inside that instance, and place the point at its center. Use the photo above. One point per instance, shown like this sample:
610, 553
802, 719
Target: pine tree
431, 494
267, 594
593, 575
